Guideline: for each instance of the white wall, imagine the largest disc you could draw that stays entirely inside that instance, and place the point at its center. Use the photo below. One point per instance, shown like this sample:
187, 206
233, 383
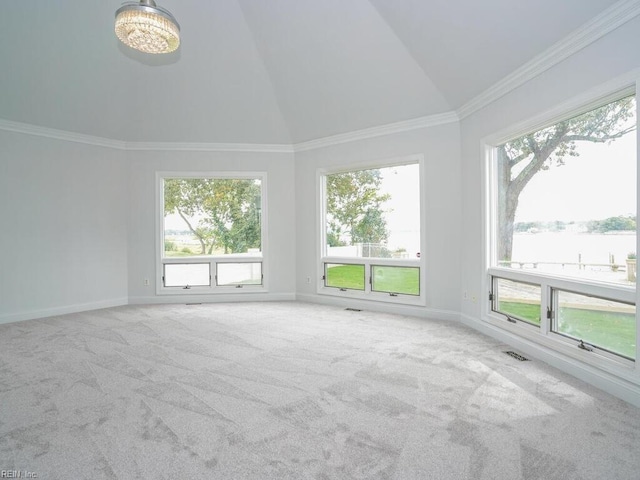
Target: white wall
142, 216
614, 55
63, 211
440, 147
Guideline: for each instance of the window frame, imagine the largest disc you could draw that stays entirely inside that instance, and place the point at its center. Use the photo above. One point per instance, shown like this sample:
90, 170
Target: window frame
544, 335
212, 260
370, 262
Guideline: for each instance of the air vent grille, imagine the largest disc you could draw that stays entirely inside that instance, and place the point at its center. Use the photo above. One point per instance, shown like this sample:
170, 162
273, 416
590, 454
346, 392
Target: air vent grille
517, 356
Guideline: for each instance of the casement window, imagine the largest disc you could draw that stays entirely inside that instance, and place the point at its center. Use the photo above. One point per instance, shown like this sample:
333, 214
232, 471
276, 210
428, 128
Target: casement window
211, 232
371, 232
562, 240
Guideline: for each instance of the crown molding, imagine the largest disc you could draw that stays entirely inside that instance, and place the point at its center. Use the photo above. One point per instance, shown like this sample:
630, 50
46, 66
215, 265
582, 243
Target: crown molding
391, 128
616, 15
67, 136
63, 135
604, 93
398, 127
209, 147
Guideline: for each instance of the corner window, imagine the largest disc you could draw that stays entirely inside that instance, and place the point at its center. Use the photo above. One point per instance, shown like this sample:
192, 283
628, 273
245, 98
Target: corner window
371, 232
563, 229
211, 232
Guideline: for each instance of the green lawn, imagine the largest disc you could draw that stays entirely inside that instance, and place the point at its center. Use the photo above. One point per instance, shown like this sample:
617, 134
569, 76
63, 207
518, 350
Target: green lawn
610, 330
405, 280
346, 276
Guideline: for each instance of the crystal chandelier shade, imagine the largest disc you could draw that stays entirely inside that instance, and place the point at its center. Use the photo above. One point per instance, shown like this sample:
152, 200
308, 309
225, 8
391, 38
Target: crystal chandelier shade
147, 28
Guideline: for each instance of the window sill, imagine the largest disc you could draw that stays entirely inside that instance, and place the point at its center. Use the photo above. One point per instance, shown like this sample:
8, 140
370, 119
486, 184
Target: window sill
230, 290
400, 299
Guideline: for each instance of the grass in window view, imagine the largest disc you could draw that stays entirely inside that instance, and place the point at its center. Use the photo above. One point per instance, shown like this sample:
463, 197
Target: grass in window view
345, 276
527, 311
403, 280
613, 331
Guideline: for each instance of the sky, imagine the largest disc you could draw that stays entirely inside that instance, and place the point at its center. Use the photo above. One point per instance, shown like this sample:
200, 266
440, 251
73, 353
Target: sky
598, 184
403, 209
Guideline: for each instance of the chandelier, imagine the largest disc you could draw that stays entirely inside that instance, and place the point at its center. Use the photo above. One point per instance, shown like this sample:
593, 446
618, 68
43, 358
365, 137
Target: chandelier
147, 28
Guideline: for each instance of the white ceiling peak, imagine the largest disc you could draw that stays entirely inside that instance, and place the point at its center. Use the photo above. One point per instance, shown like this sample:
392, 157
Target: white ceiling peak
284, 72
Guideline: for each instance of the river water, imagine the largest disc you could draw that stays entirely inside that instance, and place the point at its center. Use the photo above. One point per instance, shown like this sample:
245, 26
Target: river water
589, 249
569, 246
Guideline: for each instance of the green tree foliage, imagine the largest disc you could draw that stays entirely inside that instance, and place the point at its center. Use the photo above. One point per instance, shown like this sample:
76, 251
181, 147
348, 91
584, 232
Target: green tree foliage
221, 213
520, 159
612, 224
354, 208
372, 228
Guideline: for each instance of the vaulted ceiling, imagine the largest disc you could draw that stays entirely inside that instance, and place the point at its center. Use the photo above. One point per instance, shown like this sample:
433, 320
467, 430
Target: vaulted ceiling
268, 71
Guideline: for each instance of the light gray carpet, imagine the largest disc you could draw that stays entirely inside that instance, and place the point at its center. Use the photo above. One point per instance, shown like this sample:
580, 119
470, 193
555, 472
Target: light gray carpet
294, 391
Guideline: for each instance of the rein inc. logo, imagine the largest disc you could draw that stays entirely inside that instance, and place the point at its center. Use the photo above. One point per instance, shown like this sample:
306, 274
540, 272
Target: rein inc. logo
17, 474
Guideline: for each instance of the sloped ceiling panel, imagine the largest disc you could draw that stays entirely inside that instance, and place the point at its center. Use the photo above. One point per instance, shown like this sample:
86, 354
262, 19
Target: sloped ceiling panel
336, 66
258, 71
466, 46
218, 90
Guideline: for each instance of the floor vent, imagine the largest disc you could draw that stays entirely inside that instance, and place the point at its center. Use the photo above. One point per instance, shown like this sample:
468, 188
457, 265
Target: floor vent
517, 356
353, 309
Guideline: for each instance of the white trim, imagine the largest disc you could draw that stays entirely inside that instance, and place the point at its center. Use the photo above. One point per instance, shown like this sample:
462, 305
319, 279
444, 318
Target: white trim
378, 131
606, 381
607, 92
209, 147
63, 310
376, 306
64, 135
213, 298
618, 14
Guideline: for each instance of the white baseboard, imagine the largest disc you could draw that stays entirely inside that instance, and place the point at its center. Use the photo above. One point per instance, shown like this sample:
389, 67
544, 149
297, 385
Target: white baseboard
608, 382
245, 297
411, 310
62, 310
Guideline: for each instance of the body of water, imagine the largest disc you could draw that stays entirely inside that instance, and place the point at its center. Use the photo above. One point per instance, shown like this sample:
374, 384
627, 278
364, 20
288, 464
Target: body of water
569, 247
550, 250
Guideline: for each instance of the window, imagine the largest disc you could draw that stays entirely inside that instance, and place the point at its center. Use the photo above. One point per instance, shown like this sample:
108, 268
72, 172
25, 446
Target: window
238, 274
371, 232
596, 322
563, 229
211, 232
344, 276
187, 275
516, 300
392, 279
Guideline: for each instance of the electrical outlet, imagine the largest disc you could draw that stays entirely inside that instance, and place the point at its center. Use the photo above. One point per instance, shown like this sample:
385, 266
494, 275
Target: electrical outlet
465, 295
146, 282
308, 279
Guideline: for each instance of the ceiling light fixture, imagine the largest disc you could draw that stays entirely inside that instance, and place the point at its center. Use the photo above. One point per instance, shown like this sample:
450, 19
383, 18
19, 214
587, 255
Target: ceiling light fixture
147, 27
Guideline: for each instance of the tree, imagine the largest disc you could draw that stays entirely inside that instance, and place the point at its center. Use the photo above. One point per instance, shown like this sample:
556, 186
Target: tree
371, 229
612, 224
519, 160
354, 208
220, 212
